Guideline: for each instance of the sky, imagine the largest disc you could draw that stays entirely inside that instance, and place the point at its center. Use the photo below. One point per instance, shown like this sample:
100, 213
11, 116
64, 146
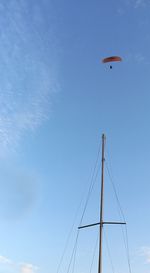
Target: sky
56, 100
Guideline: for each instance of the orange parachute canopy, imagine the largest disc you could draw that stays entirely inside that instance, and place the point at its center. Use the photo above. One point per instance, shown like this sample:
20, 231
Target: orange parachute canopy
112, 59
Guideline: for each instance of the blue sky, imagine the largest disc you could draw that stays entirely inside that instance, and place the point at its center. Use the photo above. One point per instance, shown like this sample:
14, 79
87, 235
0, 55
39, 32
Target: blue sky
56, 99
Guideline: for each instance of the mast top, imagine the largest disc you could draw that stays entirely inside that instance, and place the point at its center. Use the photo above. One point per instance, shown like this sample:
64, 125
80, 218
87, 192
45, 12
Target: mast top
103, 136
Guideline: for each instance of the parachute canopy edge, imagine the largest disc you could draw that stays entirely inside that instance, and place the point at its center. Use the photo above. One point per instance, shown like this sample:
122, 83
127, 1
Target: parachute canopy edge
112, 59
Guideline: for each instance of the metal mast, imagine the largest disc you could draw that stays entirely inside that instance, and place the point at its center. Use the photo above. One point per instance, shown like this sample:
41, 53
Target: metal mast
101, 223
101, 207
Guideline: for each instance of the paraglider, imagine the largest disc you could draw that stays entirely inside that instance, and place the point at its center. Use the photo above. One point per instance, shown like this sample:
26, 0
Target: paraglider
111, 59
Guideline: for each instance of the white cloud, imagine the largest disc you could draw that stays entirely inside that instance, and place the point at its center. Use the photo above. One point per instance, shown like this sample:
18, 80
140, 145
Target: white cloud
120, 11
134, 4
141, 3
145, 252
139, 58
28, 69
21, 267
5, 260
136, 57
28, 268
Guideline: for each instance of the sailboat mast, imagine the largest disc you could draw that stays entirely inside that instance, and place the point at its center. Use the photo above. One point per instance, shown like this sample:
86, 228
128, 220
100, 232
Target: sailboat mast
101, 223
101, 206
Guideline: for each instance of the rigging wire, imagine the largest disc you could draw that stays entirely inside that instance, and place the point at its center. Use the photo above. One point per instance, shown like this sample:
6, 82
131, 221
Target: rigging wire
74, 258
125, 235
73, 252
68, 238
127, 248
91, 186
94, 253
93, 180
108, 251
115, 192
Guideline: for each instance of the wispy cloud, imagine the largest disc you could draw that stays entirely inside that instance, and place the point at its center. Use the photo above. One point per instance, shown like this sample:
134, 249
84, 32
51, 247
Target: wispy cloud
28, 268
145, 252
137, 58
120, 11
28, 69
5, 260
141, 3
132, 4
19, 267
